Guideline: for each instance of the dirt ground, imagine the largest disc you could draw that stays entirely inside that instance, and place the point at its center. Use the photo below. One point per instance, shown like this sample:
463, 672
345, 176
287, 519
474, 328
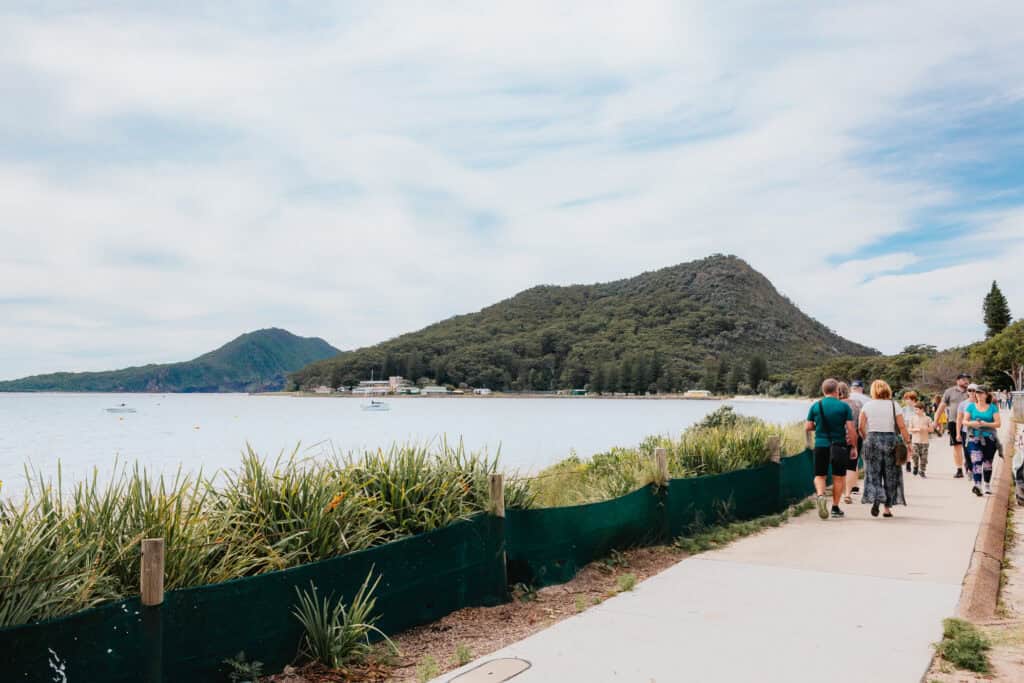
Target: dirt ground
430, 650
1007, 631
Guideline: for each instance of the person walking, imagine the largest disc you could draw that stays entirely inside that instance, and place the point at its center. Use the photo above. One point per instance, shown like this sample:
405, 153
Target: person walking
920, 432
951, 399
972, 395
852, 468
831, 420
881, 424
909, 401
982, 421
857, 392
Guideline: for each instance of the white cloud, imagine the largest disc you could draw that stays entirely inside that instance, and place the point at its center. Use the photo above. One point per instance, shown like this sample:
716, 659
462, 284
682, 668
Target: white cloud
169, 180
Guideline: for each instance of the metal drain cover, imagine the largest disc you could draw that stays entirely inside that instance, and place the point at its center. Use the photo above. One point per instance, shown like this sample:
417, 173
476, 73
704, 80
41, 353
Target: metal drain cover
493, 671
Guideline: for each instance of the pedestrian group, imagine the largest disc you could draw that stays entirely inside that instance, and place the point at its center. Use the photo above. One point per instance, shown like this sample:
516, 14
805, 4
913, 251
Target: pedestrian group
887, 438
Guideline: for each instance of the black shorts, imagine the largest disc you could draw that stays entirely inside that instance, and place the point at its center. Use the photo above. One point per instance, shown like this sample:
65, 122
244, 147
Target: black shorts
823, 458
955, 439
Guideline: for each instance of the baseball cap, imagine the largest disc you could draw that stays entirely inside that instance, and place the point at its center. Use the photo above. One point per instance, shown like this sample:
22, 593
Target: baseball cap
857, 383
972, 387
963, 375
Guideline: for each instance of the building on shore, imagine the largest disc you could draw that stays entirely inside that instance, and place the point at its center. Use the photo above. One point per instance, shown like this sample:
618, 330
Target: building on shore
435, 390
483, 391
697, 393
323, 389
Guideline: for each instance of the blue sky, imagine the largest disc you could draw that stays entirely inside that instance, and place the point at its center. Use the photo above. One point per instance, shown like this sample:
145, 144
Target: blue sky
176, 174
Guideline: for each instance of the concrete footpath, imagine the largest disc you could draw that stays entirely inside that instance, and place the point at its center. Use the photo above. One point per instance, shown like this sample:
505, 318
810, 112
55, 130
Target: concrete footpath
851, 600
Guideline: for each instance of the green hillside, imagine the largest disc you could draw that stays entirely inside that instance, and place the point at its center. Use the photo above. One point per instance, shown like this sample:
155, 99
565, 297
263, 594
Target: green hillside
257, 361
663, 330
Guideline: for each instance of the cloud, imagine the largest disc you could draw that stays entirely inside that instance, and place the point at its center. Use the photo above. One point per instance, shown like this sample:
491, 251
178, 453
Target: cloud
171, 177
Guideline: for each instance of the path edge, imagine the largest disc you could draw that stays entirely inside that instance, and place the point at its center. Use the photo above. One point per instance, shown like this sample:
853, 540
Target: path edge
980, 593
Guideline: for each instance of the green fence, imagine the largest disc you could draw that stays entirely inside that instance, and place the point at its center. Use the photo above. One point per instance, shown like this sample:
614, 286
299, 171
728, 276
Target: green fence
422, 579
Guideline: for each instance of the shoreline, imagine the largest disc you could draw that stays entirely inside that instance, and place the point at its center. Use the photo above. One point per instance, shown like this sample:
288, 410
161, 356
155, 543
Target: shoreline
497, 394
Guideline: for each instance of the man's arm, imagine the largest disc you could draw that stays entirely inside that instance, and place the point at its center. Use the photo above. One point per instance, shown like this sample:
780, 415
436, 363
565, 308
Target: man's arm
851, 435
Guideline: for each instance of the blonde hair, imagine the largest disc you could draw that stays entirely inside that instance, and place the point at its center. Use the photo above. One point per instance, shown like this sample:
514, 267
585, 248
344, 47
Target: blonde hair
844, 390
881, 390
910, 396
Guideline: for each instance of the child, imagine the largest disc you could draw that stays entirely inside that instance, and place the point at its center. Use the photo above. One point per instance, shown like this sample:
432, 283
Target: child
920, 430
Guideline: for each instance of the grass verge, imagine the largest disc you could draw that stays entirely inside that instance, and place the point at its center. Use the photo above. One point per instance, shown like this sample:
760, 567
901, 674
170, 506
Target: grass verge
964, 646
723, 534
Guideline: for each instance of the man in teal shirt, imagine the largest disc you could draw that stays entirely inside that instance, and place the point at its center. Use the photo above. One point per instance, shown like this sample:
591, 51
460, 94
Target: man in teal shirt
835, 444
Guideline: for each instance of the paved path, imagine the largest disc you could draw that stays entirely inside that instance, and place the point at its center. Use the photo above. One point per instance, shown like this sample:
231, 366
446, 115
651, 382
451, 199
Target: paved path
859, 599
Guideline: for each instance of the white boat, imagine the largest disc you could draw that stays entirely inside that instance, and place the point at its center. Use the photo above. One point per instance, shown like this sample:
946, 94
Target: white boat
376, 406
123, 408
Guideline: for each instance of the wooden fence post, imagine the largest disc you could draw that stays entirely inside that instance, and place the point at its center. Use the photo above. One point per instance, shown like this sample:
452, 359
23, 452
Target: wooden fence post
775, 448
497, 513
151, 594
498, 495
661, 458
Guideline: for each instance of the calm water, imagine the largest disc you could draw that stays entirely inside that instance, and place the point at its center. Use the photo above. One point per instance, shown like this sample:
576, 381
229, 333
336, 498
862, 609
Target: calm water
209, 430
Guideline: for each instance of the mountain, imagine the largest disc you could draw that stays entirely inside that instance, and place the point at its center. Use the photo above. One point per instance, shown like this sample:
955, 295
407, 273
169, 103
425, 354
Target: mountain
665, 330
257, 361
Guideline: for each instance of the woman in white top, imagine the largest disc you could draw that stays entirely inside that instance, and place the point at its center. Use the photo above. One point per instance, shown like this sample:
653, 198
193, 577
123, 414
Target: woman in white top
881, 422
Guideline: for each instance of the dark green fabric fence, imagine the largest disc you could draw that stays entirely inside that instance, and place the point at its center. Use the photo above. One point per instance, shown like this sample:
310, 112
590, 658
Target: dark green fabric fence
549, 545
423, 578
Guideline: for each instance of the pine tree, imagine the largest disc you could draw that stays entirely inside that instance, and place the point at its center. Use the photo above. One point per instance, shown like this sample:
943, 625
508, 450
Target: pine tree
722, 381
757, 371
736, 377
997, 311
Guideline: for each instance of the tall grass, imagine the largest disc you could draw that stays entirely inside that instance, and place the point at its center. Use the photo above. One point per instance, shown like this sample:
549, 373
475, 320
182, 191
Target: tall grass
722, 442
63, 549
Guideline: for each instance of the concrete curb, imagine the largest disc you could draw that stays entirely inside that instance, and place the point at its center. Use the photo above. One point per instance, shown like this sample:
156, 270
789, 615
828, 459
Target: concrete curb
980, 592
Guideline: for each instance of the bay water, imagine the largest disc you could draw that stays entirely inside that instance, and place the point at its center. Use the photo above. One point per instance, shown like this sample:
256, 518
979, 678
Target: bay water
209, 431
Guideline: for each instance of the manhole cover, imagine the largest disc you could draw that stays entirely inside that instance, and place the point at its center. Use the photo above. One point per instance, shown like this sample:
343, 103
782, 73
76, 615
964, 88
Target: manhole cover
493, 671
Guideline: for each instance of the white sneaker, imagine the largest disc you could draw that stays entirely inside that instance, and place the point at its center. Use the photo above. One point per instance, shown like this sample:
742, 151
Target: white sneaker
823, 507
988, 489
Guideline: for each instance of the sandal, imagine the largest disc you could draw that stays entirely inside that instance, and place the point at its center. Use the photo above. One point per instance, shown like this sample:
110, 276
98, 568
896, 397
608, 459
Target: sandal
887, 514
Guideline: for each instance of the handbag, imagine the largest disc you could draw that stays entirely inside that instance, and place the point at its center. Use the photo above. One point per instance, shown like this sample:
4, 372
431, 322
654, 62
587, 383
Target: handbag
901, 446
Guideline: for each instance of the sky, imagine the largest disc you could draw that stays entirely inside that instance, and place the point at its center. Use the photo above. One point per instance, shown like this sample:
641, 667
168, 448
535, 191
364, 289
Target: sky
175, 174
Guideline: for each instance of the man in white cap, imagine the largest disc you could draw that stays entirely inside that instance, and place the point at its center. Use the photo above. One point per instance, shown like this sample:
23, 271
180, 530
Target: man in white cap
857, 392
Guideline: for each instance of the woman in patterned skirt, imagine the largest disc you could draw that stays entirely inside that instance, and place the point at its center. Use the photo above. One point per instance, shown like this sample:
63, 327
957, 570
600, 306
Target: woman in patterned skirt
881, 422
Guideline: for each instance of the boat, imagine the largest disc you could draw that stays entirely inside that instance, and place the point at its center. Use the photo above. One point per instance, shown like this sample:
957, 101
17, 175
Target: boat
376, 406
122, 408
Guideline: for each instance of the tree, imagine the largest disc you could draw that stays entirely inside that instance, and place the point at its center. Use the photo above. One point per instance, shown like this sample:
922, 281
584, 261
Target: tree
758, 371
722, 380
922, 349
735, 379
1004, 353
941, 370
997, 312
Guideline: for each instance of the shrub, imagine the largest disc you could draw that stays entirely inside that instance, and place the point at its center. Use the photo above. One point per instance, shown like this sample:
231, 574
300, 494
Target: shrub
964, 646
336, 634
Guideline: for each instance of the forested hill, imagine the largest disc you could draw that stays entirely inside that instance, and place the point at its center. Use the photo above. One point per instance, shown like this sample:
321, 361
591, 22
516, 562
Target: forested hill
257, 361
663, 330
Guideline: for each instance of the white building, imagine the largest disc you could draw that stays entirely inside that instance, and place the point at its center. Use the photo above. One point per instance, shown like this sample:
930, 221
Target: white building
483, 391
435, 390
322, 389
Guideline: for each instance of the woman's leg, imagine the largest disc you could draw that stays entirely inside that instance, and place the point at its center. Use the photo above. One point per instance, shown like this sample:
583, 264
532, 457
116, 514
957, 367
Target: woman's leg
974, 451
988, 456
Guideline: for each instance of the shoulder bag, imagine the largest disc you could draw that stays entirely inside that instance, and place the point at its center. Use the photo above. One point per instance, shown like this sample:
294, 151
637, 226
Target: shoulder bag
901, 445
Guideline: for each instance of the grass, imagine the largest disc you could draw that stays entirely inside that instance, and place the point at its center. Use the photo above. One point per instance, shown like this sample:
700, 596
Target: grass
337, 634
463, 655
964, 646
68, 548
626, 582
428, 669
719, 535
722, 442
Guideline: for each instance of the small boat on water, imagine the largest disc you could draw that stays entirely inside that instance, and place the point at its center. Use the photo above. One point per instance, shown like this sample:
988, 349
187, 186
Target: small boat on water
122, 408
376, 406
